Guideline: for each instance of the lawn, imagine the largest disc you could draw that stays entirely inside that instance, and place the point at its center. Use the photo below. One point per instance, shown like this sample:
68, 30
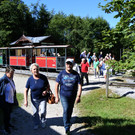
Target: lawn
107, 116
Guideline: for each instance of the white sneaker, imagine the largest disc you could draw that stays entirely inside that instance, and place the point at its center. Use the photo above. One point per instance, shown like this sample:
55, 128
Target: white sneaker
43, 125
35, 127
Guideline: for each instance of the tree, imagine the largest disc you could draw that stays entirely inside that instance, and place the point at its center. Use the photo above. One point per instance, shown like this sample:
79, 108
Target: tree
125, 10
41, 19
57, 27
12, 20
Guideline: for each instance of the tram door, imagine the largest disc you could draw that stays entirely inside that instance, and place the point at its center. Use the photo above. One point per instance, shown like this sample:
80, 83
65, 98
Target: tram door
61, 62
29, 57
61, 58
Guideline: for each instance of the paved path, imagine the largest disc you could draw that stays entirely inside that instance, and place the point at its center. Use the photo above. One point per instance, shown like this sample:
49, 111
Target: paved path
22, 117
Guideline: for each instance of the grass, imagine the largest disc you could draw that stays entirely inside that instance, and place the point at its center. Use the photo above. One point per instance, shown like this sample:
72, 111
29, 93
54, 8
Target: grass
20, 101
107, 116
20, 98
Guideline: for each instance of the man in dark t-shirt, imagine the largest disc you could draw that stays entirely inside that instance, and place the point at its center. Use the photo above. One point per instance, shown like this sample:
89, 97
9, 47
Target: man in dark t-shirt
70, 91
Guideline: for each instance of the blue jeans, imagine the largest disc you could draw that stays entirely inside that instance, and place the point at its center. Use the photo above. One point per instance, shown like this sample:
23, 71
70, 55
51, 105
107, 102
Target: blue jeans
36, 106
67, 104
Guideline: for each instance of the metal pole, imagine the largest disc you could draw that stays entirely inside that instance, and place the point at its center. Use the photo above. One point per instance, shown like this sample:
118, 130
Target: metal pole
107, 83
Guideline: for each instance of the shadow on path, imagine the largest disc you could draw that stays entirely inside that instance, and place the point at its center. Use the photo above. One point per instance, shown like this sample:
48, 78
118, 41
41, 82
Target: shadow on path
108, 126
23, 123
90, 88
124, 95
118, 80
22, 120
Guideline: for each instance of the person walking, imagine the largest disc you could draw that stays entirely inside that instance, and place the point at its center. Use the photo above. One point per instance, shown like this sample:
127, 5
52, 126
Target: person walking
100, 56
96, 68
70, 92
93, 58
84, 71
76, 67
39, 85
104, 70
89, 58
7, 96
101, 66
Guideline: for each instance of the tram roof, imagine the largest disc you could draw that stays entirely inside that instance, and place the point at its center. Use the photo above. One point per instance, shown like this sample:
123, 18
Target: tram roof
27, 40
3, 48
54, 46
43, 46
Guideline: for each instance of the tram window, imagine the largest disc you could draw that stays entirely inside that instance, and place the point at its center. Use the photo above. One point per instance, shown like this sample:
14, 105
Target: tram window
60, 52
23, 52
50, 52
42, 52
38, 52
19, 52
12, 52
34, 52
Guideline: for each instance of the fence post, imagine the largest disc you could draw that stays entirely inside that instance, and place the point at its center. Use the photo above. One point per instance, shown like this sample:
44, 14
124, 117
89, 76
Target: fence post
107, 83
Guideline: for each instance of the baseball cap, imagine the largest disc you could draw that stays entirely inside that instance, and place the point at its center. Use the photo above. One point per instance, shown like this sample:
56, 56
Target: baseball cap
69, 60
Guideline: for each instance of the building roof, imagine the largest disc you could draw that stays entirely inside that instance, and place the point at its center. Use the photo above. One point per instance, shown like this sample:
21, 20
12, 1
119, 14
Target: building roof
26, 40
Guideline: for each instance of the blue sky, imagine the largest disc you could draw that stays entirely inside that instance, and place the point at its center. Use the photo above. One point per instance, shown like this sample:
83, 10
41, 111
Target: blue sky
82, 8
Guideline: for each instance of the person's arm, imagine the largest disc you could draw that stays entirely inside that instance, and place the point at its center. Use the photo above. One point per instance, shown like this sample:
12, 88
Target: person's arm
78, 98
26, 97
47, 90
57, 92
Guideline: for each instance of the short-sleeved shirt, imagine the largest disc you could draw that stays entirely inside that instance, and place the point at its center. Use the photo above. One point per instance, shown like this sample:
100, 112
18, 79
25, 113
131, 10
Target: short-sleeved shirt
68, 83
84, 67
96, 63
37, 86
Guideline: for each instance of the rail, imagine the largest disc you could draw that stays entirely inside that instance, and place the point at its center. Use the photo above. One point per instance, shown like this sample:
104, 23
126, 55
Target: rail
132, 85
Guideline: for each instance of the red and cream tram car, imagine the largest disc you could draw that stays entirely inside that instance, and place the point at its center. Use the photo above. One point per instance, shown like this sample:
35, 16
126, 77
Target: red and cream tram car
27, 50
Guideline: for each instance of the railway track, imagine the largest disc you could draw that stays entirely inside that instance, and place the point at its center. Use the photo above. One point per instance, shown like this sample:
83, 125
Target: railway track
131, 85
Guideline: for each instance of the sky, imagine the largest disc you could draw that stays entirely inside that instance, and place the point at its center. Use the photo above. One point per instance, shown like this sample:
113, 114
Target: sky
82, 8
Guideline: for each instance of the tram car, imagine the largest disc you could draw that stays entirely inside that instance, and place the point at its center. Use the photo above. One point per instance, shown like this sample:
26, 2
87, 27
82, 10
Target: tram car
41, 50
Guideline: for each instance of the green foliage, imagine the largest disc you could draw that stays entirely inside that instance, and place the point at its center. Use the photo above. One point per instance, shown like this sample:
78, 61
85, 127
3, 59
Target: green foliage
82, 33
57, 27
41, 18
128, 60
12, 20
123, 36
126, 63
113, 64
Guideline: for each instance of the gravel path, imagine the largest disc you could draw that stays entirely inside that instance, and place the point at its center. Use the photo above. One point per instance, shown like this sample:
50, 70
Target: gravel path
22, 117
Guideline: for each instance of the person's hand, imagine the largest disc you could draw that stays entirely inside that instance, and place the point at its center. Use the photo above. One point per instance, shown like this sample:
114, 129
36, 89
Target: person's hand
26, 103
44, 93
56, 100
78, 100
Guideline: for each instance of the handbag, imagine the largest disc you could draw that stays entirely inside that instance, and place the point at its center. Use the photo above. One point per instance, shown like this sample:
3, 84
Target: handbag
50, 97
